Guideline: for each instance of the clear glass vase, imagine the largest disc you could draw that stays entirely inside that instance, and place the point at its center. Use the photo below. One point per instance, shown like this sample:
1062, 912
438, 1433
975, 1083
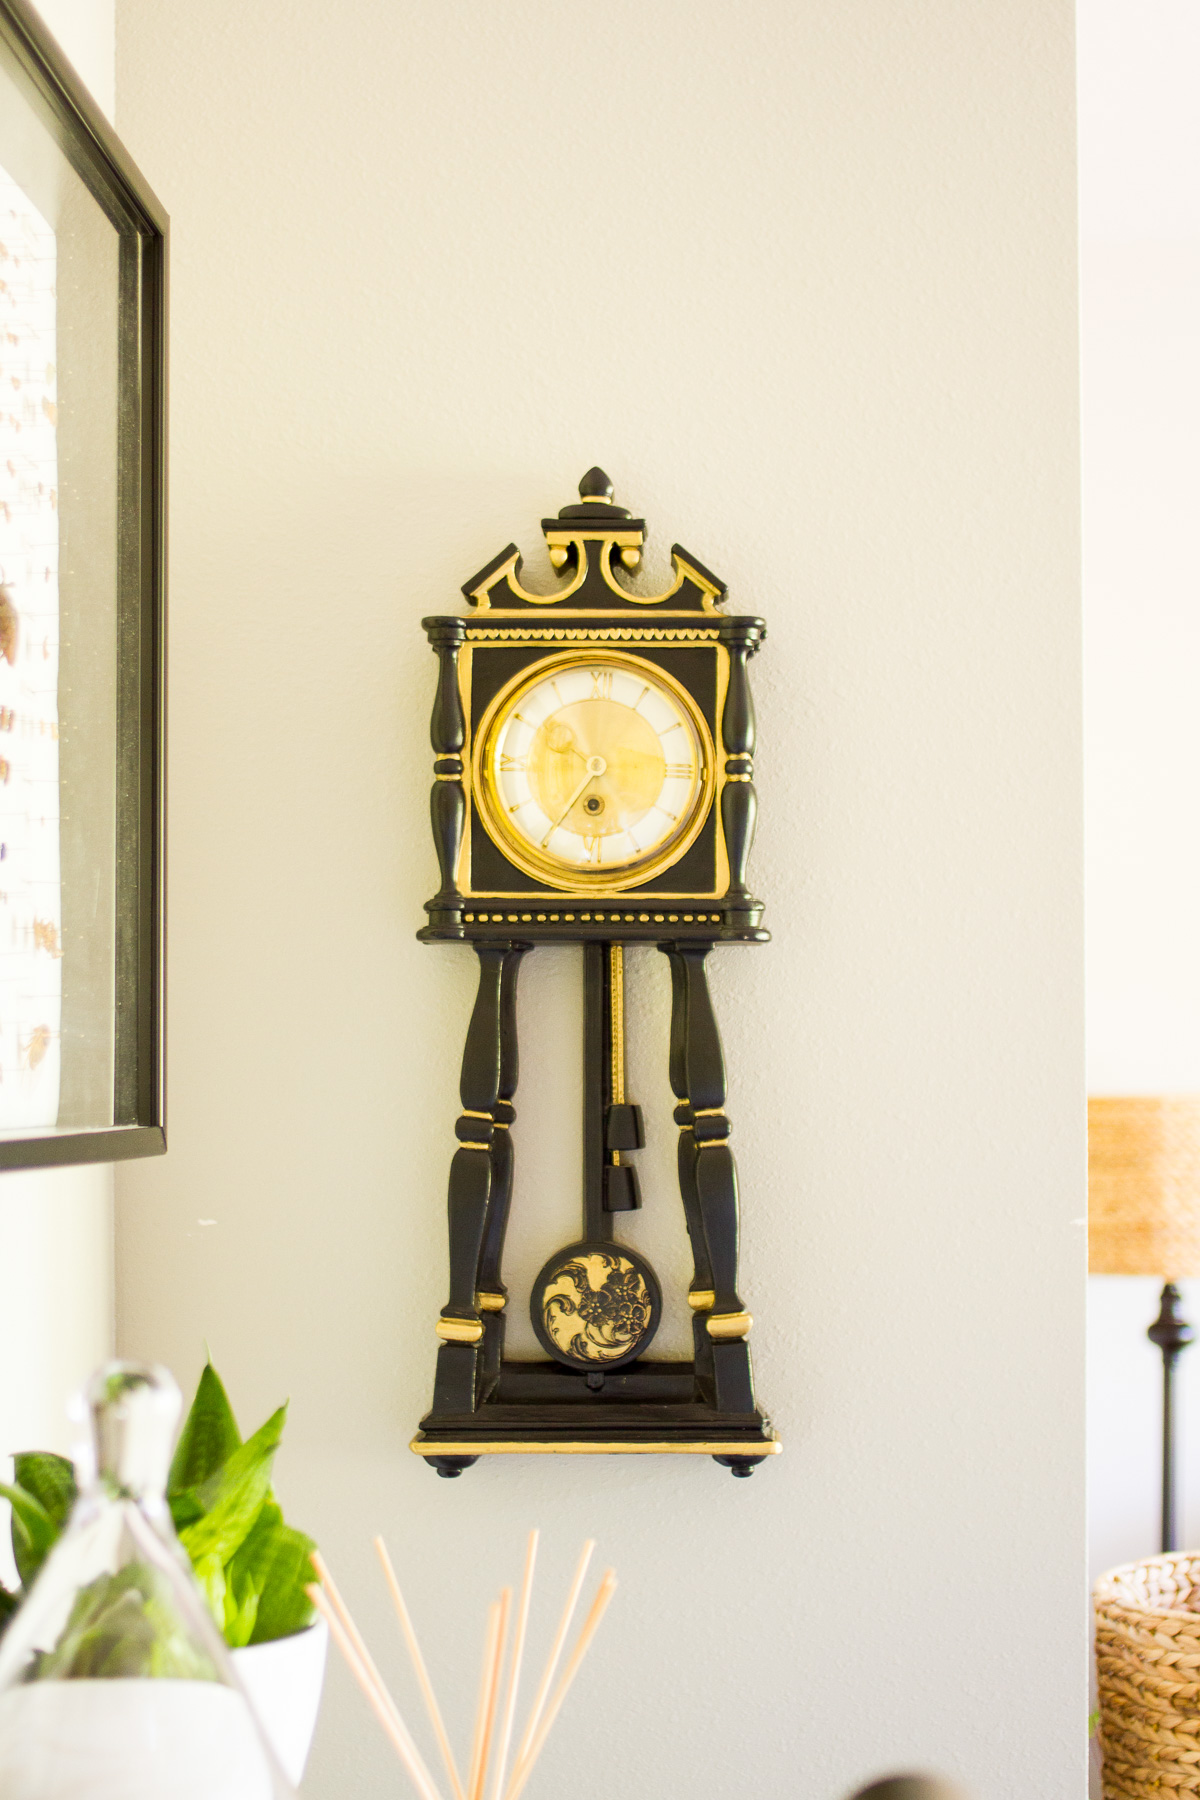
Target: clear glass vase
115, 1683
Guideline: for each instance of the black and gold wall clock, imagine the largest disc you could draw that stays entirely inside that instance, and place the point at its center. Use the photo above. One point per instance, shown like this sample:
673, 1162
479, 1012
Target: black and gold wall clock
593, 785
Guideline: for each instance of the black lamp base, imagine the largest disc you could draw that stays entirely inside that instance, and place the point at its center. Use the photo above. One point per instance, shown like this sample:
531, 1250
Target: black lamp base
1172, 1334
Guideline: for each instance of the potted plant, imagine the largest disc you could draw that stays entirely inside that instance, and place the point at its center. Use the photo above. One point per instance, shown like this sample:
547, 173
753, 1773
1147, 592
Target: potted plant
252, 1567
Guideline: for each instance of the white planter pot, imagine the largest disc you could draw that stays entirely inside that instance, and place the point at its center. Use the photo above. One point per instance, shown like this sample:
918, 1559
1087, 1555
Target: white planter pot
283, 1681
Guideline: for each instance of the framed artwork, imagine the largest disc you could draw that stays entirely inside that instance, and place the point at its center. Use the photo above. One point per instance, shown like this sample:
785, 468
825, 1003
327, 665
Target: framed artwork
83, 247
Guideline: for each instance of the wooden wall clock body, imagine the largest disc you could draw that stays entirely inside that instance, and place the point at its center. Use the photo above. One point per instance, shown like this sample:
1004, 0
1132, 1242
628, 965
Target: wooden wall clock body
593, 784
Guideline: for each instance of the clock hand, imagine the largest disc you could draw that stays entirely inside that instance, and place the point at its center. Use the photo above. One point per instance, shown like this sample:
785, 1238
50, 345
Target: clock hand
596, 765
560, 738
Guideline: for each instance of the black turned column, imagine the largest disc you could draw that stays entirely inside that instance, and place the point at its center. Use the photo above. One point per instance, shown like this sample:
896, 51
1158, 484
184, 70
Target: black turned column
727, 1323
491, 1294
447, 798
471, 1173
1172, 1334
700, 1294
739, 801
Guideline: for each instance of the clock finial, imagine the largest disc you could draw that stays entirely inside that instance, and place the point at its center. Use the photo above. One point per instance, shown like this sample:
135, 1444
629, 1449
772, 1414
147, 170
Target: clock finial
596, 504
596, 488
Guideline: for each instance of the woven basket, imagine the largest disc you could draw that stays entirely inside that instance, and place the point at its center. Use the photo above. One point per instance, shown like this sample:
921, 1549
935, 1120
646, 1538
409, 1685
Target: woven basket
1148, 1663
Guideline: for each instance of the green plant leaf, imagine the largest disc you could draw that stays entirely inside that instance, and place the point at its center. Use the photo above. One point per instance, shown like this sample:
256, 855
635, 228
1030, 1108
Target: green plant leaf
124, 1625
185, 1509
50, 1479
208, 1439
247, 1574
210, 1573
274, 1564
252, 1568
232, 1498
285, 1607
33, 1531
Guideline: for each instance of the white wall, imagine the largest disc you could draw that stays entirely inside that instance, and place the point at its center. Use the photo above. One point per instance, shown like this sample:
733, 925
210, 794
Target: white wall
802, 278
87, 32
56, 1324
1140, 148
56, 1225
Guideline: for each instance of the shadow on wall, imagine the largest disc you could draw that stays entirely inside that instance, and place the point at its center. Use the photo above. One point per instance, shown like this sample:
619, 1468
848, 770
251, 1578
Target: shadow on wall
910, 1787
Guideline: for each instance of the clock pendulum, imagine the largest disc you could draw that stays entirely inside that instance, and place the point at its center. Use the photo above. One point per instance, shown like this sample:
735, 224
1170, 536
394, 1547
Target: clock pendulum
596, 1305
579, 796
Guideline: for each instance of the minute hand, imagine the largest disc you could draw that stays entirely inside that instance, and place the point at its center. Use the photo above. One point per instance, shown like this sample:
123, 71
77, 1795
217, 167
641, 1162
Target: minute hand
596, 765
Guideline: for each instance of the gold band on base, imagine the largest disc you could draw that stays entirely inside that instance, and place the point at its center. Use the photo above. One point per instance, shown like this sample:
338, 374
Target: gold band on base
491, 1302
701, 1299
723, 1326
460, 1331
767, 1447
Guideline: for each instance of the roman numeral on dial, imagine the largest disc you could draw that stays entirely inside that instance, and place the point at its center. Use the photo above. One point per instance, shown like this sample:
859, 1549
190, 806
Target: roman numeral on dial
511, 765
683, 771
602, 684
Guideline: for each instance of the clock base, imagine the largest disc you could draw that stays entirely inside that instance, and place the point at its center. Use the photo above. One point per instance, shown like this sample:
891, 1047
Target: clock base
623, 1425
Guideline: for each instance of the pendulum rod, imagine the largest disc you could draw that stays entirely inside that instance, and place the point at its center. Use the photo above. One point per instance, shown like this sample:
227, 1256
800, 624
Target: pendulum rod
611, 1125
616, 1015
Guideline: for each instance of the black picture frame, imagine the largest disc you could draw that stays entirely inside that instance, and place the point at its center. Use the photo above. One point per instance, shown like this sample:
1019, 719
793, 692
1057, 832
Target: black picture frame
81, 133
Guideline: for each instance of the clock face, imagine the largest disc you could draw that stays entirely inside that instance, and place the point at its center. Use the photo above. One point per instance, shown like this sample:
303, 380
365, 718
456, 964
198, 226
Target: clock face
596, 770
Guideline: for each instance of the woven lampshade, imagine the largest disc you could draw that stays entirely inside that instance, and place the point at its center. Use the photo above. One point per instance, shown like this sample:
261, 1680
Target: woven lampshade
1144, 1186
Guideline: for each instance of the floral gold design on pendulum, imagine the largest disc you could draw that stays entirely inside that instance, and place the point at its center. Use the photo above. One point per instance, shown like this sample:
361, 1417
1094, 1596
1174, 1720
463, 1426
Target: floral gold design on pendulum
597, 1307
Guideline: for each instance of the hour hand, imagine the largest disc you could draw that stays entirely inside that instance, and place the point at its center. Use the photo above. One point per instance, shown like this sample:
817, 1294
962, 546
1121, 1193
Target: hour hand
596, 765
560, 738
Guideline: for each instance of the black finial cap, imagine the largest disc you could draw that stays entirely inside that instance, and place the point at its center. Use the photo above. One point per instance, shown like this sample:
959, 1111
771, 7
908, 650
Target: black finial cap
596, 488
595, 501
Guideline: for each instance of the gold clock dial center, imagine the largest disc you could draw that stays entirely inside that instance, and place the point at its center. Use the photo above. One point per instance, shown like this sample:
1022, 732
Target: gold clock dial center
595, 749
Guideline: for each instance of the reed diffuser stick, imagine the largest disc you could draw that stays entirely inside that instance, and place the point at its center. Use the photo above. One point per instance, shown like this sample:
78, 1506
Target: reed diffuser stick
489, 1651
422, 1673
604, 1594
556, 1649
377, 1697
514, 1673
493, 1693
494, 1717
333, 1594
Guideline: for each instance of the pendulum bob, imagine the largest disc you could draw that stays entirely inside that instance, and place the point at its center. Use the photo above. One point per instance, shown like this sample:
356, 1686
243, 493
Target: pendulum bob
595, 1307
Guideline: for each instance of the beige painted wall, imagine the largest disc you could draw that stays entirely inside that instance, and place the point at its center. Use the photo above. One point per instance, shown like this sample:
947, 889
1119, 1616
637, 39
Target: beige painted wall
803, 278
